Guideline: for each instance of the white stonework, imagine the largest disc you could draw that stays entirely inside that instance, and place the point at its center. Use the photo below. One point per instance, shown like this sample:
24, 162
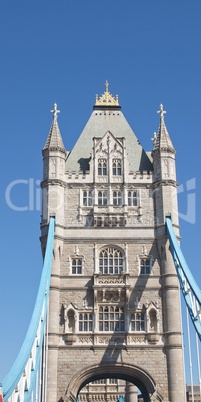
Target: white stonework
114, 309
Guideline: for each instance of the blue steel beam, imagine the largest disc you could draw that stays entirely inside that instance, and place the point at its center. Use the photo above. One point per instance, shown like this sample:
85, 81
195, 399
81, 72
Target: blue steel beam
38, 320
189, 287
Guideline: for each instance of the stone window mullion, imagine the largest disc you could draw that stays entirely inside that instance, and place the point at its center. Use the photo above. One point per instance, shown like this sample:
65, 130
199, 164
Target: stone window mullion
85, 322
111, 261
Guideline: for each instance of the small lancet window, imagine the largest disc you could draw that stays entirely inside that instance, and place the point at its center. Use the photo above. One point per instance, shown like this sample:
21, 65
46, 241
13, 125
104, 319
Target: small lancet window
137, 322
102, 198
87, 198
132, 199
116, 168
85, 322
117, 198
102, 167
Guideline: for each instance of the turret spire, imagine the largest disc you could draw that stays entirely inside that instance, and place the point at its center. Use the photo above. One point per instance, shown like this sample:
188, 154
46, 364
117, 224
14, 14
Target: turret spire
162, 141
54, 140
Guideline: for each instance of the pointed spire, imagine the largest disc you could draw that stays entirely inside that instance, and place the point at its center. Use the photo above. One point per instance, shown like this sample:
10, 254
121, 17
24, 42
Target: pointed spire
163, 141
54, 140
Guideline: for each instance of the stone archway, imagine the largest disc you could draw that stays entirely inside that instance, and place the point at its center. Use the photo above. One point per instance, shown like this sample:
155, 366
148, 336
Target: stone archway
127, 372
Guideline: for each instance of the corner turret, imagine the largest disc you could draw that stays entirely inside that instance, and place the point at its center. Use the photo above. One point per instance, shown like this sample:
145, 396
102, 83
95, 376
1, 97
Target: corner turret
54, 156
54, 141
165, 199
165, 185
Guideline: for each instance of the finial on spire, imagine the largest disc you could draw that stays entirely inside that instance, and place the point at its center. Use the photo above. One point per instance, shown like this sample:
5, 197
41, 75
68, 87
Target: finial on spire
154, 139
107, 99
55, 111
106, 85
161, 111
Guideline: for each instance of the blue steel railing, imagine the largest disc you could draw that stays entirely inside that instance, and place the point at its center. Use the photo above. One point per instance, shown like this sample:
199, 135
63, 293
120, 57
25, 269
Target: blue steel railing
189, 288
18, 385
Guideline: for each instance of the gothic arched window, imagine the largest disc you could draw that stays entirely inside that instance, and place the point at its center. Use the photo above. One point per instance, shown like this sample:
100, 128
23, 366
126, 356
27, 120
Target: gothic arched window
87, 198
137, 322
132, 199
85, 322
116, 168
117, 198
102, 198
102, 167
111, 261
111, 318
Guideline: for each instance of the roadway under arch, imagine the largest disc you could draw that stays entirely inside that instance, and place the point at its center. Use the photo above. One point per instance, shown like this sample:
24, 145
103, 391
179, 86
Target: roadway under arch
127, 372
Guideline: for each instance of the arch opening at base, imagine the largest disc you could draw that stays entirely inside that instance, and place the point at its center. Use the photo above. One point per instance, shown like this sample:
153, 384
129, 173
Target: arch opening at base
129, 373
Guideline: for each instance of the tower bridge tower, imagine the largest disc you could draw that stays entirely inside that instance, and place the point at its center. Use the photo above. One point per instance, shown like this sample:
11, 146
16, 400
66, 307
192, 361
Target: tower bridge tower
114, 308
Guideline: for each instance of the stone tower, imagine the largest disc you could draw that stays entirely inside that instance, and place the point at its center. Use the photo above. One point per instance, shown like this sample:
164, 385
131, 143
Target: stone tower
114, 309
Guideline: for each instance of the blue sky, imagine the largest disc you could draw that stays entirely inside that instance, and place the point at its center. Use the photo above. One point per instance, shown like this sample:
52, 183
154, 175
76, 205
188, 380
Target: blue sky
150, 53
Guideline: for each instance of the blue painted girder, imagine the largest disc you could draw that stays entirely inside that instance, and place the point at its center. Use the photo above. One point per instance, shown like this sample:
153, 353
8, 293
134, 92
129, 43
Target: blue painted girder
189, 287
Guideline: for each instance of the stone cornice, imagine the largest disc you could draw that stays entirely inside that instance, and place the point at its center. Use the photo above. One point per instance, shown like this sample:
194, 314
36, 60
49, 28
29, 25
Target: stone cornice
53, 182
165, 183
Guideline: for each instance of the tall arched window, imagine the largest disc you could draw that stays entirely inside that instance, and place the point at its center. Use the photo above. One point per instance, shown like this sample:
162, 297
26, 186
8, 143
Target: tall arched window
85, 322
117, 198
102, 167
132, 199
87, 198
102, 197
116, 167
137, 322
111, 261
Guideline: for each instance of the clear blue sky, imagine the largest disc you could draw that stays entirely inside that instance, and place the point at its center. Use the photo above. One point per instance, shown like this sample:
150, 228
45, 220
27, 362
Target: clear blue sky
149, 51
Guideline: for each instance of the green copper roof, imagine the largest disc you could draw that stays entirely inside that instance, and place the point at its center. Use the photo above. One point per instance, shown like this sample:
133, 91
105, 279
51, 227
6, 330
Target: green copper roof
99, 123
